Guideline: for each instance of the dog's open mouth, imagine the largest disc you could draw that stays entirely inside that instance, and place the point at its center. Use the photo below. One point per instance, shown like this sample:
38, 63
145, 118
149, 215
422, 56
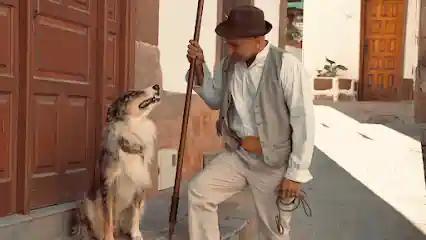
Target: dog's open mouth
148, 102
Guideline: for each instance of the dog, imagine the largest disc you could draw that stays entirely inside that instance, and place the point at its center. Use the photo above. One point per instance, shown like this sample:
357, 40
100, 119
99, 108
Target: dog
128, 147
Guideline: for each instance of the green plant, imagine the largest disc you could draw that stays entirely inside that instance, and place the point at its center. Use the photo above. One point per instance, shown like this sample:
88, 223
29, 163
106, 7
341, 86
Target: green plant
331, 69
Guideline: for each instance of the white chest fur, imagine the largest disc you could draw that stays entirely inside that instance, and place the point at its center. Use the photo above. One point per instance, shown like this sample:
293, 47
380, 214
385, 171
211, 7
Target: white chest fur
135, 167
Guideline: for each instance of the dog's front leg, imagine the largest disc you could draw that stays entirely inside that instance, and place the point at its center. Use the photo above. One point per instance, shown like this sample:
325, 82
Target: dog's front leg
108, 200
109, 219
138, 207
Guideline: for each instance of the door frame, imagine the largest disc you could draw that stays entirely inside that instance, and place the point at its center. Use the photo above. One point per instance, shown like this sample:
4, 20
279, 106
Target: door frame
363, 56
126, 66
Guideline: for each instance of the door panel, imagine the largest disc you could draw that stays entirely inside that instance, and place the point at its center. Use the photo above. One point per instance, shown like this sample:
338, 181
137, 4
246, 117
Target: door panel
62, 97
9, 84
383, 49
111, 85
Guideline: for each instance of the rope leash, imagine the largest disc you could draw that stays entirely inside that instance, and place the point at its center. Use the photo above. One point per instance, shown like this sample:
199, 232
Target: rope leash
295, 203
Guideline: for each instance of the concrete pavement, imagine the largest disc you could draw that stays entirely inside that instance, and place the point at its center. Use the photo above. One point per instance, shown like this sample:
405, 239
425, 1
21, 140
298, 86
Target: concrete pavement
369, 182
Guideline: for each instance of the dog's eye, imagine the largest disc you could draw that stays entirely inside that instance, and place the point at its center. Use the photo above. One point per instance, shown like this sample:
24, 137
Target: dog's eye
145, 103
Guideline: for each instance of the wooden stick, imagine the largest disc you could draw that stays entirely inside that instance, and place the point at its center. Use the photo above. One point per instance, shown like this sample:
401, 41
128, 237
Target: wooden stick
175, 198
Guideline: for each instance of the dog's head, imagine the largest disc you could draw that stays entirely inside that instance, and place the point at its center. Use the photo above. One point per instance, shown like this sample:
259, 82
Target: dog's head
134, 104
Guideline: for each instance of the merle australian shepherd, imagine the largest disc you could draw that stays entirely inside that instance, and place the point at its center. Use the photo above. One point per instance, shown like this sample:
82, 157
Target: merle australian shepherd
128, 146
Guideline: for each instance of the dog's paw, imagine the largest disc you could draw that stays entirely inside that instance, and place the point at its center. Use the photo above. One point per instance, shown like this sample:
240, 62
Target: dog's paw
136, 235
136, 149
109, 237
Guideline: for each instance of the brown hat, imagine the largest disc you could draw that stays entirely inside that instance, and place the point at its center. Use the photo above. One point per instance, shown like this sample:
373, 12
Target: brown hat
244, 21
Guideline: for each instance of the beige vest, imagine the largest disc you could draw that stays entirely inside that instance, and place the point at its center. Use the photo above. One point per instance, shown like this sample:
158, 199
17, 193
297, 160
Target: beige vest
270, 109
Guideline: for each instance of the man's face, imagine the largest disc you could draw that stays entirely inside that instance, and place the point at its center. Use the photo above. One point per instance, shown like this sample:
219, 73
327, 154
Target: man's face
242, 49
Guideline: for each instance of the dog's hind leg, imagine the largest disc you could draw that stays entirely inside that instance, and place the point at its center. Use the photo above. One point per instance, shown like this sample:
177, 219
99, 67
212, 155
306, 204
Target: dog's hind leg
138, 208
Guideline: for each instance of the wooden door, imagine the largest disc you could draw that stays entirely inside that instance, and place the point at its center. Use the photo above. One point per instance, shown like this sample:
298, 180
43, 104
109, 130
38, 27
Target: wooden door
9, 86
383, 43
62, 92
112, 84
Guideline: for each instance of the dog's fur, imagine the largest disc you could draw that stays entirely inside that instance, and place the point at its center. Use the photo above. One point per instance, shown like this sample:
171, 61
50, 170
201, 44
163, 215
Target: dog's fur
127, 150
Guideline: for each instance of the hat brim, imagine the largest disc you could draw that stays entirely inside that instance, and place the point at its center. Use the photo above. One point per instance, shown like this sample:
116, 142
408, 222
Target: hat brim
225, 30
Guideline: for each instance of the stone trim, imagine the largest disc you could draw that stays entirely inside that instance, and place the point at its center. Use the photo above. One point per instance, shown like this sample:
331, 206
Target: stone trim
335, 88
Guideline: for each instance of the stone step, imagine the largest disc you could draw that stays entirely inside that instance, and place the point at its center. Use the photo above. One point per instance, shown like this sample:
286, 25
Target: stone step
52, 223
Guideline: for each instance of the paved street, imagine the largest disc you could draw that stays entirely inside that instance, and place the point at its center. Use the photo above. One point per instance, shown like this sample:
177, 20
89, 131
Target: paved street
369, 183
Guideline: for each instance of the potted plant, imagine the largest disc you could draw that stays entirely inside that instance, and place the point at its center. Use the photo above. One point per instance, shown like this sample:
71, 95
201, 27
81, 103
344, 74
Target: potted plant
329, 82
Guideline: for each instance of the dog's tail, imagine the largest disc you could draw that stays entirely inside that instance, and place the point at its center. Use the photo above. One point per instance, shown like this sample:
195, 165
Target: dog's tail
77, 224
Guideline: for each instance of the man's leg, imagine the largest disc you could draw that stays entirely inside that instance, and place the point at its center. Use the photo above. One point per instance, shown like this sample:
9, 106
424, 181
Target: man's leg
263, 182
221, 179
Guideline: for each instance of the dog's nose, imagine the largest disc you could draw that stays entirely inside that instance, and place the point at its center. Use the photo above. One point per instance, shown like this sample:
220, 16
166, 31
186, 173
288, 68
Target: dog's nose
156, 87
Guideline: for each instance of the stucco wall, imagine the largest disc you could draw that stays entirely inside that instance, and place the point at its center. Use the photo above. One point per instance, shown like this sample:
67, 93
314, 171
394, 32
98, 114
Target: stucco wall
271, 8
166, 64
332, 29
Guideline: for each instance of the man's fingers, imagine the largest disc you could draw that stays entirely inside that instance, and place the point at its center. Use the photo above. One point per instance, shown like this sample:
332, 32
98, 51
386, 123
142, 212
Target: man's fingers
192, 48
195, 47
194, 43
289, 193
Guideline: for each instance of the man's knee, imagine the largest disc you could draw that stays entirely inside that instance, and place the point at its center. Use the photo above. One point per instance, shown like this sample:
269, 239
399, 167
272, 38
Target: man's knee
195, 189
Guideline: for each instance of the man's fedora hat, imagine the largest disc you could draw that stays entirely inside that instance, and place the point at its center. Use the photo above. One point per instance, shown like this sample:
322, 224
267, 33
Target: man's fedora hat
244, 21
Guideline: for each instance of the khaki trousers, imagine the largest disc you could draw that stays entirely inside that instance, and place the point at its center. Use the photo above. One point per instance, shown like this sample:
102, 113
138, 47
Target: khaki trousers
225, 175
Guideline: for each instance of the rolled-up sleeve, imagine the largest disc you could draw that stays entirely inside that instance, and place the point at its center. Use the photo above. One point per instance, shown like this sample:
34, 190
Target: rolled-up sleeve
210, 90
298, 93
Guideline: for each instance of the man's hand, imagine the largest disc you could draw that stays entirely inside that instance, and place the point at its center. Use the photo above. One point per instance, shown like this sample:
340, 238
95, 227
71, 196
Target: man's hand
252, 144
289, 189
195, 52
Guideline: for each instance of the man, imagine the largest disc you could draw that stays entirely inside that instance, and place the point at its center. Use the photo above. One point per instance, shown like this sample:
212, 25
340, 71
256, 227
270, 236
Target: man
266, 121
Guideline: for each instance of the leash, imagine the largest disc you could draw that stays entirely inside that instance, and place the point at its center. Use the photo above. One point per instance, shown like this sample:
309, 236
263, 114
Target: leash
295, 203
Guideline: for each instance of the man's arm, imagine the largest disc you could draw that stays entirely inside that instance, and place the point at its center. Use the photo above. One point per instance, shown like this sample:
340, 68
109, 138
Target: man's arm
210, 87
298, 93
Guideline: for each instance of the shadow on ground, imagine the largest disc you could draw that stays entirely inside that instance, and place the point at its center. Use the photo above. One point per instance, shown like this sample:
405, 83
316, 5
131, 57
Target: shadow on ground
345, 209
398, 116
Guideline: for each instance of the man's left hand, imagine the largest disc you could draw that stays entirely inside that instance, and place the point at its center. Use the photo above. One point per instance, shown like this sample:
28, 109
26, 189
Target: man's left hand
289, 189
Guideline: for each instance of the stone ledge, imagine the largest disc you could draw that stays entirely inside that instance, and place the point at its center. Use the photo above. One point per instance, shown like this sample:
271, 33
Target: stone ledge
41, 224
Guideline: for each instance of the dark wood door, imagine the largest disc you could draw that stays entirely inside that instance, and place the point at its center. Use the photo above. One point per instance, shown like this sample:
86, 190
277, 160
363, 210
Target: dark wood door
383, 43
62, 92
111, 85
9, 86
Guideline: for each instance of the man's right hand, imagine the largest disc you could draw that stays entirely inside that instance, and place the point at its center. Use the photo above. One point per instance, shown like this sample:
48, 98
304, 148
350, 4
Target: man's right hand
195, 52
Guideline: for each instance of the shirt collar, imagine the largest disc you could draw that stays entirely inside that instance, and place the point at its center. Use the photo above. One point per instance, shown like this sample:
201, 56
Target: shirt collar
261, 56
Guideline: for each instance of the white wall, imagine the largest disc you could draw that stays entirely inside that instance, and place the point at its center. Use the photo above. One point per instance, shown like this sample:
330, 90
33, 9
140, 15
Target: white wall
271, 8
176, 28
332, 29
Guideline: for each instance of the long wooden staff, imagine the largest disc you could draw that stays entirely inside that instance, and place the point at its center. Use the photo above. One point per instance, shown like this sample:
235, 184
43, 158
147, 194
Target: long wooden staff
183, 134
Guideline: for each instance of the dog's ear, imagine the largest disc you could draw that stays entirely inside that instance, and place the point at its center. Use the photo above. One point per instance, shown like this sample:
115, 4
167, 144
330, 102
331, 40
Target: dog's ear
116, 111
112, 112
